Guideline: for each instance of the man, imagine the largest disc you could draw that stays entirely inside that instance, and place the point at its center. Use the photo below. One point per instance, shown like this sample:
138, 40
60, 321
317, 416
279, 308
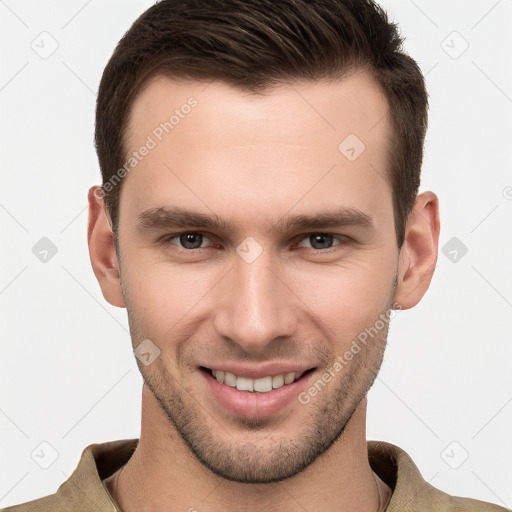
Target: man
259, 214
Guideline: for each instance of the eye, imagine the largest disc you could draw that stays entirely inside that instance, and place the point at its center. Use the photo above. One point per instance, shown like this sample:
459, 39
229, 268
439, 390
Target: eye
191, 241
322, 242
188, 241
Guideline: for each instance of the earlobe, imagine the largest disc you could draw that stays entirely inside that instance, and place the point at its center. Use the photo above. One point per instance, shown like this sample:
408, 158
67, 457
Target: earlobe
102, 249
418, 256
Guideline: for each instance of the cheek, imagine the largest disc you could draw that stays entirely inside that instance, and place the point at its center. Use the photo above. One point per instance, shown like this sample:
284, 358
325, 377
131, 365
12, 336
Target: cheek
351, 297
345, 297
163, 294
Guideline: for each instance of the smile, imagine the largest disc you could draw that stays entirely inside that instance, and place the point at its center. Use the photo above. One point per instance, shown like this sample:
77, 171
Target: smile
261, 385
255, 398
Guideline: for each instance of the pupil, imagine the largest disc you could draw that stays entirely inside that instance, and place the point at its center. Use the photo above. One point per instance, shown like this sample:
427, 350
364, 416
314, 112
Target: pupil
189, 239
321, 239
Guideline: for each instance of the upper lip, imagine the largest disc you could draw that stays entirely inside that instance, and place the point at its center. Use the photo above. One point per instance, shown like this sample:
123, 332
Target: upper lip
259, 371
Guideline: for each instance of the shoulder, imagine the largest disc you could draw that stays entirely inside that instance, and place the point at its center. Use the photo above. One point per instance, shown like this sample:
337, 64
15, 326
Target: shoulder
410, 491
84, 489
72, 495
439, 501
43, 504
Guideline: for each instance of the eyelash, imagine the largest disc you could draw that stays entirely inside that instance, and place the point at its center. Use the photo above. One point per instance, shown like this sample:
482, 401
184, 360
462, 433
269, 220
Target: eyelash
166, 241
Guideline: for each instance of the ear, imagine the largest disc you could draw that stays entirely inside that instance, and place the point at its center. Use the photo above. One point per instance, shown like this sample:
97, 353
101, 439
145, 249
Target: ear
418, 256
102, 250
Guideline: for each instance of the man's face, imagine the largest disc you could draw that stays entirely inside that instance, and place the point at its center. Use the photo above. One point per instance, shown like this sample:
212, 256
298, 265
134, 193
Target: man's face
254, 297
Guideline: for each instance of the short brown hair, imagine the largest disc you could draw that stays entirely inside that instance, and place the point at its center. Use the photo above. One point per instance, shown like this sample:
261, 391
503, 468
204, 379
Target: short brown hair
255, 45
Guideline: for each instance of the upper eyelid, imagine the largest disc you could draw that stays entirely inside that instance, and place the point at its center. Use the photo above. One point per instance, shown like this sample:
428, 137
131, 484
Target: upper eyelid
334, 235
176, 235
298, 238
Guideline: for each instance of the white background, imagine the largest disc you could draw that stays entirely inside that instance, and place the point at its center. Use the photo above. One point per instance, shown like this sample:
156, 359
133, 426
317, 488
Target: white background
68, 376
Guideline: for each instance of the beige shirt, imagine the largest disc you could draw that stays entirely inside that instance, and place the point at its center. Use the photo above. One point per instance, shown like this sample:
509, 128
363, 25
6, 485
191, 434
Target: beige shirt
85, 491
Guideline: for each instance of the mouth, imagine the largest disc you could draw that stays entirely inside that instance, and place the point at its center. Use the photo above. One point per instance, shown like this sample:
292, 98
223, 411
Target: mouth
242, 396
260, 385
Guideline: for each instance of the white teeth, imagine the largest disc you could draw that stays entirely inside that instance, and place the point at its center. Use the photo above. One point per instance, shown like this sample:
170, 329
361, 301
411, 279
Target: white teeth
244, 384
289, 378
261, 385
230, 379
278, 381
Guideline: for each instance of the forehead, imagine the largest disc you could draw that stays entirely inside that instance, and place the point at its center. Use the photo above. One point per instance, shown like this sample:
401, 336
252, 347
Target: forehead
301, 146
355, 103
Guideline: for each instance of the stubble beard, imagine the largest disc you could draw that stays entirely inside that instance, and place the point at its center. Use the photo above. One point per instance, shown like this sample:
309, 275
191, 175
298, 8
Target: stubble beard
265, 457
255, 451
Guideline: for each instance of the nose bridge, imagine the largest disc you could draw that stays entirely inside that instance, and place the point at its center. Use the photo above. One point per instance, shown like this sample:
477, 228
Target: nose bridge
256, 307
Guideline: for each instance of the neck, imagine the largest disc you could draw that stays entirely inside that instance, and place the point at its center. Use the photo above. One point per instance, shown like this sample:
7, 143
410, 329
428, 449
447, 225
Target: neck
164, 472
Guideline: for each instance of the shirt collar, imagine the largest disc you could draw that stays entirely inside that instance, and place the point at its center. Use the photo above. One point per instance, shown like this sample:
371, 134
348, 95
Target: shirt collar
98, 461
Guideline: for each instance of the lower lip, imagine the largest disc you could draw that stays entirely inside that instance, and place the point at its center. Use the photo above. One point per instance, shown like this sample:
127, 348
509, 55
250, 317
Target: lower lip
253, 404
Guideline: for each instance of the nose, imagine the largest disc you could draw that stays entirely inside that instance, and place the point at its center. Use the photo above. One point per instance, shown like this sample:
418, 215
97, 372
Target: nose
256, 305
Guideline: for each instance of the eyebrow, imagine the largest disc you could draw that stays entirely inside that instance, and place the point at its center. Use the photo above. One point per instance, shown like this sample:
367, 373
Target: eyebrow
175, 217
